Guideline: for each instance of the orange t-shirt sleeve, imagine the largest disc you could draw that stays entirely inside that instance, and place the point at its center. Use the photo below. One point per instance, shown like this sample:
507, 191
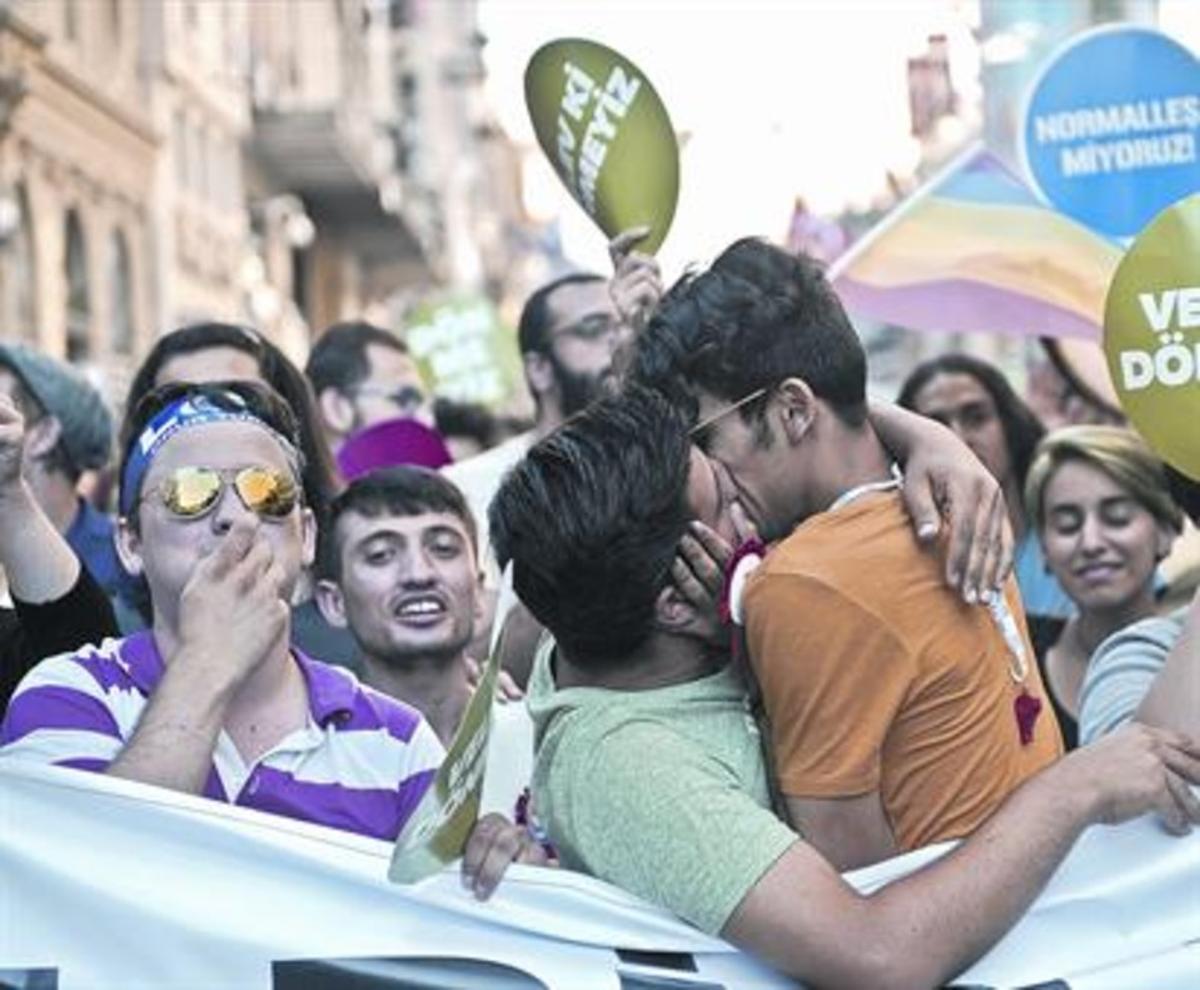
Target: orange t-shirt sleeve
833, 676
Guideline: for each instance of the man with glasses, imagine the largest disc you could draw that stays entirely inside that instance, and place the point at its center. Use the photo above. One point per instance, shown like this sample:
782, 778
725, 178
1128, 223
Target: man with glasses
213, 699
570, 331
362, 375
649, 770
573, 334
900, 714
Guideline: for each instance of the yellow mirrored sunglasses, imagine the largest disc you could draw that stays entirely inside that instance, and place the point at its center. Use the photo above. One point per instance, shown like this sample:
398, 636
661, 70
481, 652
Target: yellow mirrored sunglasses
189, 492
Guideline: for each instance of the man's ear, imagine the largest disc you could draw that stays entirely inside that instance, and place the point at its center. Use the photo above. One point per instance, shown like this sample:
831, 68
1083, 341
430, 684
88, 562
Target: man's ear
672, 612
539, 373
797, 408
129, 546
308, 533
336, 410
330, 603
1164, 541
42, 436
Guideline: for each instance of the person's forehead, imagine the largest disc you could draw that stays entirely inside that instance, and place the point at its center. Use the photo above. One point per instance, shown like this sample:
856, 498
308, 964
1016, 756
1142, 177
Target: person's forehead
227, 444
708, 403
388, 366
952, 389
714, 416
578, 300
359, 528
210, 364
1077, 481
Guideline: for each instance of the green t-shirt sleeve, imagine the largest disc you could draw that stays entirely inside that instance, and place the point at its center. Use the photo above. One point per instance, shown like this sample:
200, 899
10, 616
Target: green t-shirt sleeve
677, 829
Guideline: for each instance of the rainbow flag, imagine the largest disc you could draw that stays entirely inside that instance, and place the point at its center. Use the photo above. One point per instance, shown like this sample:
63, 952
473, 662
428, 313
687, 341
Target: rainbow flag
976, 251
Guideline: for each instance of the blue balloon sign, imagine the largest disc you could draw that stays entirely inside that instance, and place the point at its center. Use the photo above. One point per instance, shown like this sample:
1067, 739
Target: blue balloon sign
1112, 128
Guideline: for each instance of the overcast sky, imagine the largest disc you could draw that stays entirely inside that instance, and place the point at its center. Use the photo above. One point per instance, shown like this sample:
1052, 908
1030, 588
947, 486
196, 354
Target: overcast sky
778, 99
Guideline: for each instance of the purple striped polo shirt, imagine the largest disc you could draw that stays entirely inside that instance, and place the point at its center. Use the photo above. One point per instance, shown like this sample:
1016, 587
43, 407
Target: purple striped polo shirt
361, 763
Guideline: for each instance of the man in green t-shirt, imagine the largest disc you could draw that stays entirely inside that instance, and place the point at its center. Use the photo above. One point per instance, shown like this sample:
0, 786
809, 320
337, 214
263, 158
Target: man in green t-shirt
649, 771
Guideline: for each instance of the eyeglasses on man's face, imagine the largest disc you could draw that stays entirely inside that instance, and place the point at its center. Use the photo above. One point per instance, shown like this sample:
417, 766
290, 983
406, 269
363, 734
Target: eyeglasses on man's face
192, 491
702, 432
407, 398
591, 329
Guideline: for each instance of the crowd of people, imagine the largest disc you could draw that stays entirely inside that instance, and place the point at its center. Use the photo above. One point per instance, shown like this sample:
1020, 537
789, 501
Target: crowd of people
767, 630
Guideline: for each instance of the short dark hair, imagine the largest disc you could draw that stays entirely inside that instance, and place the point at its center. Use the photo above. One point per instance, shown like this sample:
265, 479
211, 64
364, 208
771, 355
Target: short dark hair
187, 340
1022, 429
261, 401
472, 420
591, 520
759, 314
320, 478
405, 490
338, 359
533, 331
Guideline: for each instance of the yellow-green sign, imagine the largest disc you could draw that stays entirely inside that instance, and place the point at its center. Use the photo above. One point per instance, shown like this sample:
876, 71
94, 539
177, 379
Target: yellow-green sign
1152, 334
464, 351
437, 831
607, 135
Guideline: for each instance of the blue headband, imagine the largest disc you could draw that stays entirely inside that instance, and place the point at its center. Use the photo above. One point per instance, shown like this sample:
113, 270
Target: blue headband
192, 410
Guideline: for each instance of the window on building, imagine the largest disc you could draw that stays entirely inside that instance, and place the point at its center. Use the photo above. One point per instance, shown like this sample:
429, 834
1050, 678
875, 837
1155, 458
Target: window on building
200, 176
218, 172
18, 292
233, 175
301, 263
78, 304
400, 14
407, 133
1108, 10
71, 20
179, 141
120, 281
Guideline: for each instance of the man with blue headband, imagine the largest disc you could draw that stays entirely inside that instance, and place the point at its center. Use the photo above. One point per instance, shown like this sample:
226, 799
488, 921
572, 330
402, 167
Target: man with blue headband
213, 699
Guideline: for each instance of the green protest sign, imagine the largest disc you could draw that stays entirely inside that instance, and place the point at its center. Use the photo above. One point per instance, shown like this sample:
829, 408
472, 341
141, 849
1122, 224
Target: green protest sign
464, 351
1152, 334
607, 134
437, 831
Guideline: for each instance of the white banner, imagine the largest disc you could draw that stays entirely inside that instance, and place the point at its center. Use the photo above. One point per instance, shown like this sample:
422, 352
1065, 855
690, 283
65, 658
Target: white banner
110, 884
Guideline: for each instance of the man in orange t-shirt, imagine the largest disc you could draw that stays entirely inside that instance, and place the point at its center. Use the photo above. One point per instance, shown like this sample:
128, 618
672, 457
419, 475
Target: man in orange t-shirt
899, 714
889, 699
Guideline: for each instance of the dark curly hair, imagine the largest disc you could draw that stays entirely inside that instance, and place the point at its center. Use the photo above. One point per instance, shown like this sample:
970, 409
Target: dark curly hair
591, 519
758, 315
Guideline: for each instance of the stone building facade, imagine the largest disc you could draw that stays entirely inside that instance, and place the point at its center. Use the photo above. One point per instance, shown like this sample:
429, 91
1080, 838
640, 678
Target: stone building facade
284, 164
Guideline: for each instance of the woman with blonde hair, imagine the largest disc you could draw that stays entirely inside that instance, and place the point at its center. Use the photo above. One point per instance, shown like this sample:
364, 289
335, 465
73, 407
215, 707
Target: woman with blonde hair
1105, 518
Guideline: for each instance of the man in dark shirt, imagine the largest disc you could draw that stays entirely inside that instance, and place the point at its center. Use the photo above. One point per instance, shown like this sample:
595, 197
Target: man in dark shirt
58, 605
68, 431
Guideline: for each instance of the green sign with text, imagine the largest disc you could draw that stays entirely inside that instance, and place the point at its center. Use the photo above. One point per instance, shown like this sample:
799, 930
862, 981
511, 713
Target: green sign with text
607, 134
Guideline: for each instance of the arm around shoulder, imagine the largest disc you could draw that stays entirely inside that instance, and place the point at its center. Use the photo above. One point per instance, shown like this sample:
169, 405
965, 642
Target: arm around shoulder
925, 928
